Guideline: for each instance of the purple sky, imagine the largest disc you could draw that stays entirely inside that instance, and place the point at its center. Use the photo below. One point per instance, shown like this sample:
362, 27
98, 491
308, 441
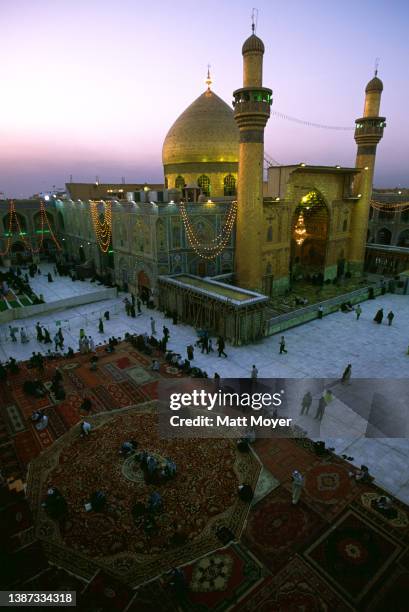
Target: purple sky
90, 87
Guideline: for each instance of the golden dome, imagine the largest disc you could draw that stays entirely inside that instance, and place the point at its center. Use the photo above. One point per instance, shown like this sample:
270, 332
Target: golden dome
204, 132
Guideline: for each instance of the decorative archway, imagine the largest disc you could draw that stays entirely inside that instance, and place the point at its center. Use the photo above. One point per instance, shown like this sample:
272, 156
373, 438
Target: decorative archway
384, 236
403, 239
309, 236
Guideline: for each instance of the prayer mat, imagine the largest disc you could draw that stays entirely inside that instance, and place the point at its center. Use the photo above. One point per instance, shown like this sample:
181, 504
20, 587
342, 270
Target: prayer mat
219, 580
353, 554
15, 419
27, 447
328, 487
139, 375
296, 587
277, 529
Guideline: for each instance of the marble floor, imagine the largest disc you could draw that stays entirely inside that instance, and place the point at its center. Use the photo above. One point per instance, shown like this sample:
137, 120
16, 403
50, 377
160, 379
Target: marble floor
321, 348
61, 287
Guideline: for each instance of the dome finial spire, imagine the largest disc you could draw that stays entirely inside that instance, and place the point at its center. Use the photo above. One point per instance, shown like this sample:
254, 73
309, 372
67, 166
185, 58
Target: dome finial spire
376, 65
254, 18
208, 80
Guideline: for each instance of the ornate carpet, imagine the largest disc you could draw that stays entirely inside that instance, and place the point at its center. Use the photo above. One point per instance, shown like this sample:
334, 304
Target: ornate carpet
202, 497
219, 580
276, 529
353, 554
295, 588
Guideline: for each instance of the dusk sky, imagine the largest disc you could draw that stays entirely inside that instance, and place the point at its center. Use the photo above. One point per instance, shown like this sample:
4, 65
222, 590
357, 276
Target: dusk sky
91, 87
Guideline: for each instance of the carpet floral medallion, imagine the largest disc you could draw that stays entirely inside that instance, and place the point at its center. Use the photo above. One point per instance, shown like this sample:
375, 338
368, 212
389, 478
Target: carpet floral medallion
199, 500
353, 554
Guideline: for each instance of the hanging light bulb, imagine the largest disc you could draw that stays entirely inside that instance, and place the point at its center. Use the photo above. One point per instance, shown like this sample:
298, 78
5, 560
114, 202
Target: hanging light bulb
300, 231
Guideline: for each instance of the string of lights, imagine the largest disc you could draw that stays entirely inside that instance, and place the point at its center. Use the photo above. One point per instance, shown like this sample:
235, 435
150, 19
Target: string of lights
392, 207
13, 216
311, 123
102, 229
9, 233
219, 243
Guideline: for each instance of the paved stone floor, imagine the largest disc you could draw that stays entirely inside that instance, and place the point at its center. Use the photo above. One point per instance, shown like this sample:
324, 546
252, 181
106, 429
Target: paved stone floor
317, 349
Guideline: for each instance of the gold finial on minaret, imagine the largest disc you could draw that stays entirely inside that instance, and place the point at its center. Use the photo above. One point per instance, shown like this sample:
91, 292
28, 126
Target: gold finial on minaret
208, 80
254, 18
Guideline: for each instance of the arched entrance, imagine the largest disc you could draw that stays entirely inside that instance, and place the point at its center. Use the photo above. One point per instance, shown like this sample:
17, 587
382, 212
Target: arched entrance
309, 238
81, 253
19, 253
144, 286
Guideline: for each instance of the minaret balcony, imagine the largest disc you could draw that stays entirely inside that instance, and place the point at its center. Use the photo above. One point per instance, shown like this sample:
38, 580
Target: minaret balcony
369, 130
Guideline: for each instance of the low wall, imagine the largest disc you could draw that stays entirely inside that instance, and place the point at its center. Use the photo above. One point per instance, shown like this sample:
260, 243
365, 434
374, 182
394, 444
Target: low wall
38, 309
309, 313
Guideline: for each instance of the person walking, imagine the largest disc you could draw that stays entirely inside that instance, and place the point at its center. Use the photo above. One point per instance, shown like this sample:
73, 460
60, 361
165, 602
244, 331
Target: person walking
190, 352
39, 331
101, 326
56, 341
282, 346
47, 337
220, 346
390, 316
254, 373
347, 374
321, 408
12, 334
138, 306
132, 310
23, 336
153, 327
297, 486
379, 316
306, 403
358, 312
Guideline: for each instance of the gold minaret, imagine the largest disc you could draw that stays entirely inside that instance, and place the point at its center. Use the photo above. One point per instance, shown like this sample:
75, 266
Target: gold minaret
368, 132
251, 111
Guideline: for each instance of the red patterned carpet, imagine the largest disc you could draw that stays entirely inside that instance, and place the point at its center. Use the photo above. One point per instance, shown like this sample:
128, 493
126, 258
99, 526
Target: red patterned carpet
202, 497
332, 552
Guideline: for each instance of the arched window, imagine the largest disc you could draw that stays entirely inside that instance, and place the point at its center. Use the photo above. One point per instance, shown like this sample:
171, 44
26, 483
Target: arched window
179, 182
204, 183
270, 233
229, 185
38, 223
18, 223
384, 236
403, 240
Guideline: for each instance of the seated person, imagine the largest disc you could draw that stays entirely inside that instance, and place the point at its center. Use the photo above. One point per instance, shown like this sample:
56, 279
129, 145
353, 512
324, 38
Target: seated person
42, 423
85, 428
242, 445
98, 501
37, 415
362, 475
170, 468
245, 492
69, 353
155, 365
86, 404
384, 505
155, 503
128, 447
